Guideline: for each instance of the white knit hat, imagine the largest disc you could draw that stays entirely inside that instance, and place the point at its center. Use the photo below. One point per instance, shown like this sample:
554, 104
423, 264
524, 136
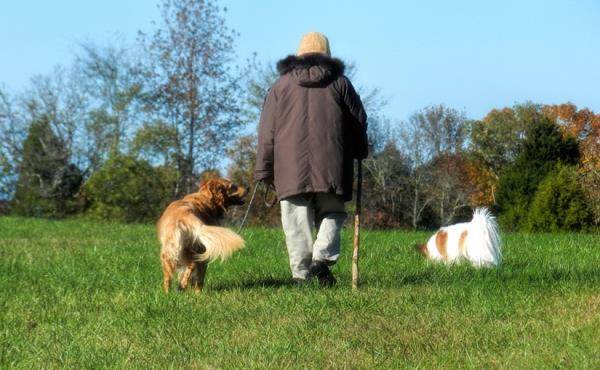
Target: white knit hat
314, 42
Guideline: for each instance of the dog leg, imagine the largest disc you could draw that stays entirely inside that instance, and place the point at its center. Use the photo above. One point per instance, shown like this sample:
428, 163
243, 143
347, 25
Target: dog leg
198, 282
167, 267
186, 276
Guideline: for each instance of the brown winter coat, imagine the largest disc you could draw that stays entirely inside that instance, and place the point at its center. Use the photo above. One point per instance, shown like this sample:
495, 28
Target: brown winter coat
312, 126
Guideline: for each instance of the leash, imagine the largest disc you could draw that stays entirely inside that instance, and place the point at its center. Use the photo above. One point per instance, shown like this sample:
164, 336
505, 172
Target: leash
269, 205
248, 208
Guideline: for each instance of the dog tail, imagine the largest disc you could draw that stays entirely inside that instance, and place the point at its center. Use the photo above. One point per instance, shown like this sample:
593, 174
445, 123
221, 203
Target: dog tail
219, 242
484, 247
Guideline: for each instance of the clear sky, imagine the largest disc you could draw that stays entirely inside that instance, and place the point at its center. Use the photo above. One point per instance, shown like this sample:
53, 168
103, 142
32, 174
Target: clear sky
467, 54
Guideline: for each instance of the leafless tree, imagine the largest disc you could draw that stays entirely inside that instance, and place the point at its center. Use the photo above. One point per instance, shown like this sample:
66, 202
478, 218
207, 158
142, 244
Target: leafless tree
386, 187
12, 134
197, 90
111, 82
57, 98
433, 140
416, 149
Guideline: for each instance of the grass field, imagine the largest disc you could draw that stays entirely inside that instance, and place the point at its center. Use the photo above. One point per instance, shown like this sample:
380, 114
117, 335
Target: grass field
77, 294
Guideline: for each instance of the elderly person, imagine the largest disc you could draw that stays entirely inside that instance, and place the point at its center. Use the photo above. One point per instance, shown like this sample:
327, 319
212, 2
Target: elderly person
312, 127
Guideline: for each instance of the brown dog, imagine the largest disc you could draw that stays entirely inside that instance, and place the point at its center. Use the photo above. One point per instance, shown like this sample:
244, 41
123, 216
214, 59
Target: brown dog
189, 236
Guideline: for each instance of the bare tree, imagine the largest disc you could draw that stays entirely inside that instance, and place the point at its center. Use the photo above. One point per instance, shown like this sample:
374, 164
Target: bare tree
111, 83
415, 149
386, 187
434, 139
190, 57
12, 134
57, 99
443, 129
257, 86
450, 187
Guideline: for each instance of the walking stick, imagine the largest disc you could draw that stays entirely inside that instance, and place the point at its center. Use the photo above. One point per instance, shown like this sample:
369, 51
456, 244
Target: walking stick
357, 226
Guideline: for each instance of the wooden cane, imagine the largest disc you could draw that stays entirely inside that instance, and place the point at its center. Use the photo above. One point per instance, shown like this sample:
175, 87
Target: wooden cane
357, 226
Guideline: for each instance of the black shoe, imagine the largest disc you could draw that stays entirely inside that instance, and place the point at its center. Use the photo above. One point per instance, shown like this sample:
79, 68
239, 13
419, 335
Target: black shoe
320, 270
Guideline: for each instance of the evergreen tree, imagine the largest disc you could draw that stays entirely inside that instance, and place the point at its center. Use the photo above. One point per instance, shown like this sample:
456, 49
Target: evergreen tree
543, 147
47, 182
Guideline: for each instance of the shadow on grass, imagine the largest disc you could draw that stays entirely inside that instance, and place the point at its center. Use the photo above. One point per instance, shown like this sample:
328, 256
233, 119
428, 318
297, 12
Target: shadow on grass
514, 274
519, 274
259, 283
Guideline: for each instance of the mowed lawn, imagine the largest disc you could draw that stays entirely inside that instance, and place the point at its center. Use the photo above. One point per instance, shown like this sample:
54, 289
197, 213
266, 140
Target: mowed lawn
77, 294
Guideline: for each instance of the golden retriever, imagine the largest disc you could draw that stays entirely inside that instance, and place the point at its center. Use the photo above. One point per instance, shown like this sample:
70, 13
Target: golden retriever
189, 235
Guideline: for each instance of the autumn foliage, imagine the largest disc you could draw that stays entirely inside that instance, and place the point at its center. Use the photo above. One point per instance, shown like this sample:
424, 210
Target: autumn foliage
584, 126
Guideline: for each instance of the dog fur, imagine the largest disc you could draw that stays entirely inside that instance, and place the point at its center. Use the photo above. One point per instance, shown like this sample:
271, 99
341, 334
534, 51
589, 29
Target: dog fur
477, 242
189, 234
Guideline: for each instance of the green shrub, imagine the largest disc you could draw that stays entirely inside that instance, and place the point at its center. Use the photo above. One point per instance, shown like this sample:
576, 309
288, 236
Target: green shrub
543, 148
129, 190
558, 204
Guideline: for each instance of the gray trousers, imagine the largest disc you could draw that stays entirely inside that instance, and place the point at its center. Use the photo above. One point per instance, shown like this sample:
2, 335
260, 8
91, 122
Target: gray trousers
299, 214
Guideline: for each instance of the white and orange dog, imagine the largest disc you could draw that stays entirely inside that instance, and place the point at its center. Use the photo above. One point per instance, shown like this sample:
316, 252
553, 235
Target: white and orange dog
190, 236
477, 242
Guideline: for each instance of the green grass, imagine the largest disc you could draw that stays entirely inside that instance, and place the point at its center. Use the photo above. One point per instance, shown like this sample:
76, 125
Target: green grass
77, 294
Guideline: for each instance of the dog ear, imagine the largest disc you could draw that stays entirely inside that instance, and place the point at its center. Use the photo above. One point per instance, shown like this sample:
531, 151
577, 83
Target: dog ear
218, 193
421, 249
214, 189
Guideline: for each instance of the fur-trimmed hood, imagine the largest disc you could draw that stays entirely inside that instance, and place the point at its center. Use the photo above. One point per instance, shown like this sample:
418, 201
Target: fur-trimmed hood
311, 69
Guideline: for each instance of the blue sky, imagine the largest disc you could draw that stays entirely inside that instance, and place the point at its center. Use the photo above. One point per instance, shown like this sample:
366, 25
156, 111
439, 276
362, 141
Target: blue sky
469, 55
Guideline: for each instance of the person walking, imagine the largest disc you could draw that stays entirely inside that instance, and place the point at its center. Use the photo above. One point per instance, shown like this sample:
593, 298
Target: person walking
312, 127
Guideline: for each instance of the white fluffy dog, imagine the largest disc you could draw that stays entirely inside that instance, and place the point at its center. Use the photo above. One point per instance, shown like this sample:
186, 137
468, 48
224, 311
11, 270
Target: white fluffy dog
477, 242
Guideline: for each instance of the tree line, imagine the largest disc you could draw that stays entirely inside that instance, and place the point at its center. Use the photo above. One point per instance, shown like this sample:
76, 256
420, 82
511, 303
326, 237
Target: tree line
125, 130
536, 166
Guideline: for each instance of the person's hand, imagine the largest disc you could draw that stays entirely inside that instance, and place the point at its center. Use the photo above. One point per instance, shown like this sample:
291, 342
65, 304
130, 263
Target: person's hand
269, 188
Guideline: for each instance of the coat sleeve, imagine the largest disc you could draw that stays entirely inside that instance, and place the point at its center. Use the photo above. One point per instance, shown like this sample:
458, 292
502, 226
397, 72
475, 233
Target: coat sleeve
356, 117
266, 136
